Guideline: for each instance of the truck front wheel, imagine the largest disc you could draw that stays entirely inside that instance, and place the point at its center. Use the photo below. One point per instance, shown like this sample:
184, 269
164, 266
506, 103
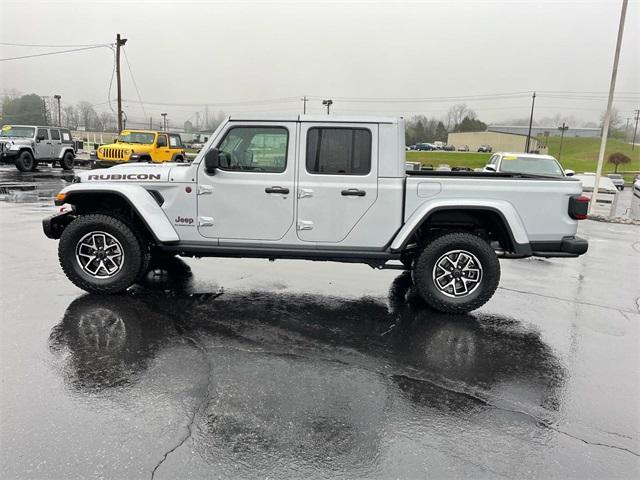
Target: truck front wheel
25, 162
100, 254
456, 273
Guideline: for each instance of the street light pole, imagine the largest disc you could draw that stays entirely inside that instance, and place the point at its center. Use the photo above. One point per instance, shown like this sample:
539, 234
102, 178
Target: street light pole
562, 129
328, 104
58, 97
607, 115
533, 102
119, 43
164, 121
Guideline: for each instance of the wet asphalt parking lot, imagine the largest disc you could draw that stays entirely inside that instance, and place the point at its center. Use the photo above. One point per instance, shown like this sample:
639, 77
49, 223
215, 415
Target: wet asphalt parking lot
224, 368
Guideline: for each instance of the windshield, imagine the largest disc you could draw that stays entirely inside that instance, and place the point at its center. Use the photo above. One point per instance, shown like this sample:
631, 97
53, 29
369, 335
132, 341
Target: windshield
532, 165
22, 132
136, 137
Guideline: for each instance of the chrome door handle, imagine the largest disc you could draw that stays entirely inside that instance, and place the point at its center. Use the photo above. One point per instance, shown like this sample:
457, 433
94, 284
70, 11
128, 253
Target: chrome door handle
353, 192
281, 190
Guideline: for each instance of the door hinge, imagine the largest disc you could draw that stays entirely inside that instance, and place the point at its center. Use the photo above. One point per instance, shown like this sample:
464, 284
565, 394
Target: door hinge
205, 221
305, 193
205, 189
305, 225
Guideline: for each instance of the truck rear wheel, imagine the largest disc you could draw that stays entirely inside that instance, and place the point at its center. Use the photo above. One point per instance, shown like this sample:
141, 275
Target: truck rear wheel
25, 162
100, 254
67, 161
456, 273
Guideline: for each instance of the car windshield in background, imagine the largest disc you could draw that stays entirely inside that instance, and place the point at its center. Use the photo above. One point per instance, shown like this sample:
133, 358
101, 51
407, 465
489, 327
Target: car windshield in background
136, 137
21, 132
532, 165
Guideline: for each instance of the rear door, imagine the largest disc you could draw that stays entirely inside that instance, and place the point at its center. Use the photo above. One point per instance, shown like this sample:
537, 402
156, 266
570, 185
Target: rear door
163, 152
56, 142
337, 179
43, 143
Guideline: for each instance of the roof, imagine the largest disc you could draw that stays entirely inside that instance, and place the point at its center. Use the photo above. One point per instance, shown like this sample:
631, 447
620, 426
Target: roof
34, 126
312, 118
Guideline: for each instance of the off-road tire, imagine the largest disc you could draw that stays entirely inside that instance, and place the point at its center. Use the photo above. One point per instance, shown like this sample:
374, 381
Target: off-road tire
134, 256
67, 161
25, 162
423, 270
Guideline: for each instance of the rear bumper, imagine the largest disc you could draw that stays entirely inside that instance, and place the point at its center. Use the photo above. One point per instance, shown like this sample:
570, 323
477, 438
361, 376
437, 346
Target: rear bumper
567, 247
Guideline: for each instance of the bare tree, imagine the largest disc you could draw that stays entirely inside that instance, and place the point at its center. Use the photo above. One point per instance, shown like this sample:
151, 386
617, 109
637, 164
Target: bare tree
70, 117
86, 114
107, 121
456, 114
615, 120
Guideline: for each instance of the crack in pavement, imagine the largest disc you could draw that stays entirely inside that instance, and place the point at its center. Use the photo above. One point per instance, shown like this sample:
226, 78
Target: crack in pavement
200, 405
566, 300
539, 420
448, 388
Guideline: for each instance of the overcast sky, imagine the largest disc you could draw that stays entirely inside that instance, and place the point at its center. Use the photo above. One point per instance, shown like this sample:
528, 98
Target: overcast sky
217, 53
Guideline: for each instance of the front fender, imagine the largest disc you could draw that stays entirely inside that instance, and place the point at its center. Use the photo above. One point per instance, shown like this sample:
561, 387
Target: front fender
505, 209
140, 200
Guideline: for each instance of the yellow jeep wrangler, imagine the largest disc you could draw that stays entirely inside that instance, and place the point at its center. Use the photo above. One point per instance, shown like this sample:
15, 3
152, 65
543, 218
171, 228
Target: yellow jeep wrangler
141, 146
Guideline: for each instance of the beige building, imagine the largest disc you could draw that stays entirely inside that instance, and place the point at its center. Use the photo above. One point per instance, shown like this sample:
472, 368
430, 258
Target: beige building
500, 142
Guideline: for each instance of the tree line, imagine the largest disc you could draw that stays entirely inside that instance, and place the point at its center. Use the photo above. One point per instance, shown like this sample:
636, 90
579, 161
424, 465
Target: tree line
33, 109
459, 118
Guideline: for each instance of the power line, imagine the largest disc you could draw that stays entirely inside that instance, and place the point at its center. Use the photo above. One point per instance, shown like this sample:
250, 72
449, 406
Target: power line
53, 46
52, 53
134, 81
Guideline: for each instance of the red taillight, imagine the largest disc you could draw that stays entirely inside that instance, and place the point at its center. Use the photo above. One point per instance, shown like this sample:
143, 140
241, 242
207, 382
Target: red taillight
578, 207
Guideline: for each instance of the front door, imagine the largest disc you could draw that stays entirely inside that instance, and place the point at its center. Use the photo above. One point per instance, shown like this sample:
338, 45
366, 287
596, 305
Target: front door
251, 195
338, 179
43, 144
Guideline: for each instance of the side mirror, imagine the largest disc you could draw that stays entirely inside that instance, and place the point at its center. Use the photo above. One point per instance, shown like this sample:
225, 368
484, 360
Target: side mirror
212, 161
490, 168
569, 173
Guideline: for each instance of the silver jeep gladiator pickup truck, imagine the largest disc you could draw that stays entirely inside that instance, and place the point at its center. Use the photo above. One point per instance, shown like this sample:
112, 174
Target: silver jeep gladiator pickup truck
315, 188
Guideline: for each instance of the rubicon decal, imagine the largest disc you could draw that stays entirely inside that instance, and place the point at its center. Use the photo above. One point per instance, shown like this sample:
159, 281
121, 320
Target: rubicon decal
128, 176
183, 221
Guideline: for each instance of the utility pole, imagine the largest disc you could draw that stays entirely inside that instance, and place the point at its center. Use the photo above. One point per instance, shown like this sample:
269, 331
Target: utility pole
164, 121
328, 104
150, 123
533, 102
58, 97
607, 115
562, 129
635, 130
304, 105
119, 43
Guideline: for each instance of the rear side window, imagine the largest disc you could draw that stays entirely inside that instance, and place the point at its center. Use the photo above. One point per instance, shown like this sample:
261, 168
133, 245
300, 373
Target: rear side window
174, 141
55, 134
339, 151
66, 136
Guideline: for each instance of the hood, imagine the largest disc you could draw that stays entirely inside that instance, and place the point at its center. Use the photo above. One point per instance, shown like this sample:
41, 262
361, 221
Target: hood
129, 172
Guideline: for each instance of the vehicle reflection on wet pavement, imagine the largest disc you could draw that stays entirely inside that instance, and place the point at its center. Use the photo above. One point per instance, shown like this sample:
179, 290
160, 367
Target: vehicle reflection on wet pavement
246, 369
